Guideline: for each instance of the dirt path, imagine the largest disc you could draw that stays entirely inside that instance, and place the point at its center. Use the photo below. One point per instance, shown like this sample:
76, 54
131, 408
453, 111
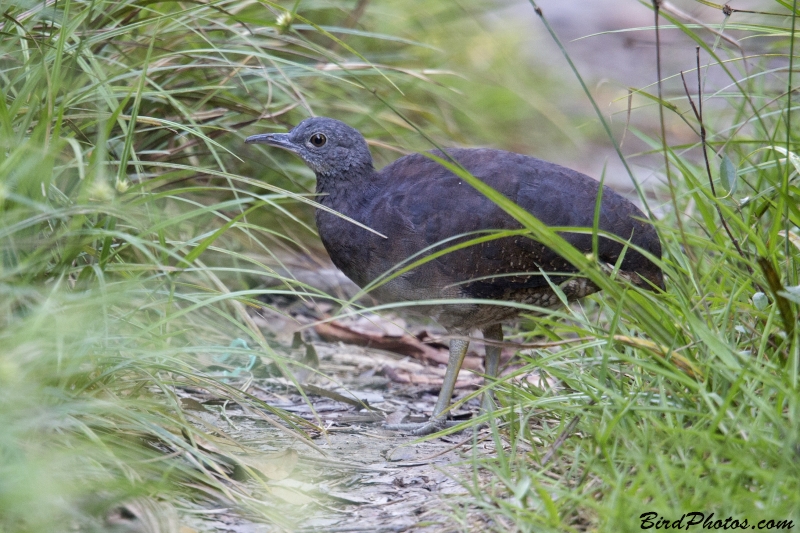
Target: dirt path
355, 475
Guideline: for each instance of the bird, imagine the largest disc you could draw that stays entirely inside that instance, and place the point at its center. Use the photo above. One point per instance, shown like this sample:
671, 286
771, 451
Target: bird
415, 206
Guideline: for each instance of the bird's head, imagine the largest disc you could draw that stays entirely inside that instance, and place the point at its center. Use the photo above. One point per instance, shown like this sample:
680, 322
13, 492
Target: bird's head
329, 147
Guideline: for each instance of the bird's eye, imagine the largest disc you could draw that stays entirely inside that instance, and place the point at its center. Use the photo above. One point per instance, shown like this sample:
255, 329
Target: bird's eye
318, 140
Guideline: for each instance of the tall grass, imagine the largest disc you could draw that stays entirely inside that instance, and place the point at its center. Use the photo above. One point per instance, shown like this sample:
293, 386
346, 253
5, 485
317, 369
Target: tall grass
125, 221
684, 402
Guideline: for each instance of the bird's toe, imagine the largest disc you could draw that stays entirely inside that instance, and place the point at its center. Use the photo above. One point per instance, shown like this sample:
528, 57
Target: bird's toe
421, 428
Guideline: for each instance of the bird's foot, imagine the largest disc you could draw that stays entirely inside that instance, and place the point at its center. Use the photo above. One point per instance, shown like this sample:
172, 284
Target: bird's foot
487, 404
422, 428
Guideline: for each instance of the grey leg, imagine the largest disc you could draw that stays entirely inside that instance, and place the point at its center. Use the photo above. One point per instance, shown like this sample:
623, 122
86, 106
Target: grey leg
458, 350
492, 362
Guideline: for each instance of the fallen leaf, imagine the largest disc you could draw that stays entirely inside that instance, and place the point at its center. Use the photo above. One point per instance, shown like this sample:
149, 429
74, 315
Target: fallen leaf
274, 466
661, 351
403, 345
291, 496
192, 405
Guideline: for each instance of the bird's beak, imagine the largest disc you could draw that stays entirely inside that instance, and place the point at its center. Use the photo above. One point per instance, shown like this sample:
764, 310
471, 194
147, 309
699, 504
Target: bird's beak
281, 140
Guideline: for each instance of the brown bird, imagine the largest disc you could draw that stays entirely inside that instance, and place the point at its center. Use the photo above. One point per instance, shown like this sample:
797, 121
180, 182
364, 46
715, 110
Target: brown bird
419, 206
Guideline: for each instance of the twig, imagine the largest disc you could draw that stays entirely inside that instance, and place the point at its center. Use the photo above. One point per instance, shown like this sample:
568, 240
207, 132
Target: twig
563, 437
596, 108
674, 11
698, 113
356, 14
728, 10
785, 184
687, 248
352, 19
627, 118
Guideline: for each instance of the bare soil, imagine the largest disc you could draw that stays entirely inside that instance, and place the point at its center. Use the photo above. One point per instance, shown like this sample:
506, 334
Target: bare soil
353, 475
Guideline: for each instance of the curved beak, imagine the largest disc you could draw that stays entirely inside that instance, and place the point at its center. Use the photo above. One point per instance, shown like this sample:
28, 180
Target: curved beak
281, 140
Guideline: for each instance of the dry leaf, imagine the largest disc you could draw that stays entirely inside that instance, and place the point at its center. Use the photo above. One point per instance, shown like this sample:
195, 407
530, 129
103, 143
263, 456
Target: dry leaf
291, 496
403, 345
663, 352
274, 466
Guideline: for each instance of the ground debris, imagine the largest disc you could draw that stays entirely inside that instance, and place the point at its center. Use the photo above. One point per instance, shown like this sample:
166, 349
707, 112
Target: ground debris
360, 477
351, 375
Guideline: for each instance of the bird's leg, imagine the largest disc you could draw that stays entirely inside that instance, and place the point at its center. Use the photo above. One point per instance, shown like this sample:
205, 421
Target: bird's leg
492, 363
458, 350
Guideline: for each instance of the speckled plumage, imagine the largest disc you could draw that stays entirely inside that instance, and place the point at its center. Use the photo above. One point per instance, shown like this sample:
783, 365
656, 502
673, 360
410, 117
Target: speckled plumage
417, 203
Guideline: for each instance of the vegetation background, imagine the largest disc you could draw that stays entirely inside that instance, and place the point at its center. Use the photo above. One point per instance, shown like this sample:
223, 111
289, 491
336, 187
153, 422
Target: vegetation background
132, 220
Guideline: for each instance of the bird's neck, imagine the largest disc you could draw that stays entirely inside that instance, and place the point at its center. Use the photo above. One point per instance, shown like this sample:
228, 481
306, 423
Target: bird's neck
343, 191
353, 195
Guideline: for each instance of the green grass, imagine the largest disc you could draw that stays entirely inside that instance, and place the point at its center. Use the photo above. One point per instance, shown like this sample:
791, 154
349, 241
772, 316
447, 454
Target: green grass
705, 418
129, 208
125, 218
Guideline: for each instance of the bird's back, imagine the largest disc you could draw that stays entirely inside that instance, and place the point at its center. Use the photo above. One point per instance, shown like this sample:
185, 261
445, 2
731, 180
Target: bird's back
417, 203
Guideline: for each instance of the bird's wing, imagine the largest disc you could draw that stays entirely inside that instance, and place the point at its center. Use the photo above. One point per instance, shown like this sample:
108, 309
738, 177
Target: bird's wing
424, 204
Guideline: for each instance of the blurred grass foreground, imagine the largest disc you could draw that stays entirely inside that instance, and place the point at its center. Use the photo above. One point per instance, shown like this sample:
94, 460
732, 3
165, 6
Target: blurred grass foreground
128, 205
